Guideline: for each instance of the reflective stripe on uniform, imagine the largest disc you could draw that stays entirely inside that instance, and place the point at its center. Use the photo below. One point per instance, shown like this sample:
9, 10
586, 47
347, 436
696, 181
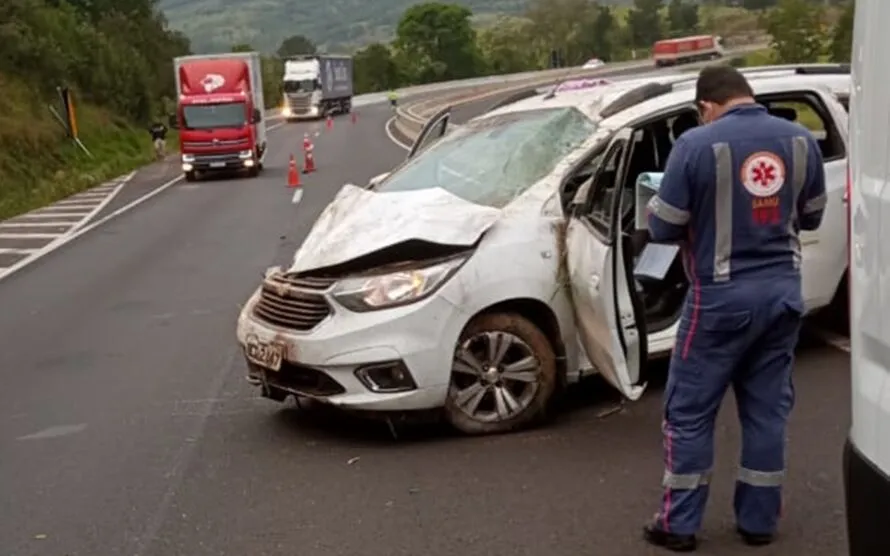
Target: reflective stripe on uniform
668, 212
722, 211
765, 479
800, 151
725, 182
685, 481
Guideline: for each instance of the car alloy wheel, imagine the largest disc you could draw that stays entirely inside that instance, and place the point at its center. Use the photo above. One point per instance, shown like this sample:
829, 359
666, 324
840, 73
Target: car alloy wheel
502, 376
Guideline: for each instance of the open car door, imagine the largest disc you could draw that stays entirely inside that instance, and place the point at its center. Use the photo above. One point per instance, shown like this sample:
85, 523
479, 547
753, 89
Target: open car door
598, 254
432, 131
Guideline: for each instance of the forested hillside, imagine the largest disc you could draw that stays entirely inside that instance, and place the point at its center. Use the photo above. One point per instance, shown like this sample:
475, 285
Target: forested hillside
115, 55
336, 24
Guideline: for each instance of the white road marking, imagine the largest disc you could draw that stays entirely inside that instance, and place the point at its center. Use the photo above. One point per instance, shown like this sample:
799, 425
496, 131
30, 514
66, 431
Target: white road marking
9, 224
47, 214
11, 251
120, 185
65, 239
74, 204
389, 133
17, 235
298, 196
55, 432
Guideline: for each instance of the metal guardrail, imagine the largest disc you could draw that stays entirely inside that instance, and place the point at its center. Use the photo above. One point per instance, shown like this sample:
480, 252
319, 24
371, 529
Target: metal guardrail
411, 118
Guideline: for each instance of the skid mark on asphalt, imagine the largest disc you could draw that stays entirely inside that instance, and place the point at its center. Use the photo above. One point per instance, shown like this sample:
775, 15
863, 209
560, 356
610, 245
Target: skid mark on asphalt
30, 235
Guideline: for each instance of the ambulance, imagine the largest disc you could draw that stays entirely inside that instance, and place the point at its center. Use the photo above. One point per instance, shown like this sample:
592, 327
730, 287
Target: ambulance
867, 450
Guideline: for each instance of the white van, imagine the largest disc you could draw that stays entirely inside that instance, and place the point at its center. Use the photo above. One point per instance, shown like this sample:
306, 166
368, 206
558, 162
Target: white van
867, 451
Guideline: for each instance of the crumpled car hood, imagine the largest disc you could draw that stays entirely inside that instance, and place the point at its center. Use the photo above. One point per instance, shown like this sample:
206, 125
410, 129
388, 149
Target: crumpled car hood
359, 222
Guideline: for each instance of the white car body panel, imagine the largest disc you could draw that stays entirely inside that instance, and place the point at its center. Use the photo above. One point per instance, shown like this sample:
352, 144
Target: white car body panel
524, 253
358, 222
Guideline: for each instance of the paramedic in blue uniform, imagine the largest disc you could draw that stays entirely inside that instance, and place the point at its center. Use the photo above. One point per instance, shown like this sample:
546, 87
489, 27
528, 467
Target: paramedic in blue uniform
735, 193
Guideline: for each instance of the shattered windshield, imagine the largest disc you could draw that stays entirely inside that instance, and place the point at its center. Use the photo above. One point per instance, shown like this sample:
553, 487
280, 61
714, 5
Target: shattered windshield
493, 160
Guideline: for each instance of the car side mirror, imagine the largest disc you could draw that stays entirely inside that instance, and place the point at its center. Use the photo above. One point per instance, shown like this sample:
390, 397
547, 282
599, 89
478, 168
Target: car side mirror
373, 182
172, 122
257, 116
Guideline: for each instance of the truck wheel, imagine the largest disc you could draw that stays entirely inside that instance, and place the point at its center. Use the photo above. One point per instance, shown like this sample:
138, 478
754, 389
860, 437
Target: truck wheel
503, 375
191, 176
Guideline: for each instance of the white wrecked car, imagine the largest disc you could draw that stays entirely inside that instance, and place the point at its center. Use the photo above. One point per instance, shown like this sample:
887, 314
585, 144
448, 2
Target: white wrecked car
496, 263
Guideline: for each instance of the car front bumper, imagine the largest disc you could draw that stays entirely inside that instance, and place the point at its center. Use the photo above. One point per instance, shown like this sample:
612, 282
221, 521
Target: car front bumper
217, 162
322, 363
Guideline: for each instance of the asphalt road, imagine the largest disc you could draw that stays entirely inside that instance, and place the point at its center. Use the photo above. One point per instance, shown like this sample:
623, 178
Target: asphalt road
126, 427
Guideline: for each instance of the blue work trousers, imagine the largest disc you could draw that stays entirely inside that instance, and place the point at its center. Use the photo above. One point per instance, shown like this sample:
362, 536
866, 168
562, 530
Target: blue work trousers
741, 333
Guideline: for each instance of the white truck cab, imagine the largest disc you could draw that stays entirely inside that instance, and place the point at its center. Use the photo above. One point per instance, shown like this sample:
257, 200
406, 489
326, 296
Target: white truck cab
867, 451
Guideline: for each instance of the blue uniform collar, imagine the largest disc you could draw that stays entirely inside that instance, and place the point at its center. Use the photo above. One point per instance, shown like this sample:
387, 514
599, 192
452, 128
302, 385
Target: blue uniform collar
745, 109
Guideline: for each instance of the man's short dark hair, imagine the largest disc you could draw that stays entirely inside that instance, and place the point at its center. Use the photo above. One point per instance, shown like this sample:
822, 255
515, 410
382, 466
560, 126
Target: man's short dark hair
720, 84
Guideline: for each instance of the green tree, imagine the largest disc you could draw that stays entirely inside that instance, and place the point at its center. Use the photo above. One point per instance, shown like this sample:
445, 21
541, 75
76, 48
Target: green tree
842, 36
241, 47
644, 23
682, 18
796, 30
375, 69
436, 42
758, 4
295, 46
507, 46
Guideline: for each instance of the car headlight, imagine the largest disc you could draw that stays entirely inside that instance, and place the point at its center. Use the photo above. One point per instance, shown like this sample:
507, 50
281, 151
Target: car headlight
371, 293
245, 154
188, 158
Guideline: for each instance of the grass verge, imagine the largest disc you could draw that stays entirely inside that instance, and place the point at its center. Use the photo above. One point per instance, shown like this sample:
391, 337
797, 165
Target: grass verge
40, 165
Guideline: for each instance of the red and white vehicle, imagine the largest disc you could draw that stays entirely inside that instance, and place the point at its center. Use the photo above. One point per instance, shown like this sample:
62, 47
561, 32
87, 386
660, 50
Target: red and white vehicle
670, 52
220, 113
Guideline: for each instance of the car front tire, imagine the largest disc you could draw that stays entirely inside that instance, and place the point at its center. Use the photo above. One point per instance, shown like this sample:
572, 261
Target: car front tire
503, 376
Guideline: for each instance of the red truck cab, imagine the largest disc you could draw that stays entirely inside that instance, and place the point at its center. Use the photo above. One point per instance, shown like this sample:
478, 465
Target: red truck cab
219, 114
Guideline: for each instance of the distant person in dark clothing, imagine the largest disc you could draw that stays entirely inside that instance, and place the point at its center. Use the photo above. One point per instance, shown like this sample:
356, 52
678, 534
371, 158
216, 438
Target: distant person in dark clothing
158, 133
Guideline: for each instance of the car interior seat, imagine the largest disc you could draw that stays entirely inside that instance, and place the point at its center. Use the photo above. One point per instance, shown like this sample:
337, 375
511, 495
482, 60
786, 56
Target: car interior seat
683, 123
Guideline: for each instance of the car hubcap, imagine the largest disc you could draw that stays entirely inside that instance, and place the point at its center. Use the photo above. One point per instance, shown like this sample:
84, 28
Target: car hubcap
495, 376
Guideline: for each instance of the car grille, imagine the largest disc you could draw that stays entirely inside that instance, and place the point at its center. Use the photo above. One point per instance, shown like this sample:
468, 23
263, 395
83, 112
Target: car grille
291, 302
299, 103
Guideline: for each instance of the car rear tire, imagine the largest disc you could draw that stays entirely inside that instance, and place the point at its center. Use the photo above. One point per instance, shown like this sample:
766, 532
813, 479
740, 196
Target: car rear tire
503, 375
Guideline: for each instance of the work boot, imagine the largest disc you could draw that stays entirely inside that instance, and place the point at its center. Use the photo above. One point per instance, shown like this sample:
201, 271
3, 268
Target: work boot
655, 536
755, 539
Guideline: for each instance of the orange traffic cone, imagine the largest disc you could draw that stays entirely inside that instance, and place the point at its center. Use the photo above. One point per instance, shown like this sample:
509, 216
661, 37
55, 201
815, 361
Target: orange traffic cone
330, 122
293, 175
309, 163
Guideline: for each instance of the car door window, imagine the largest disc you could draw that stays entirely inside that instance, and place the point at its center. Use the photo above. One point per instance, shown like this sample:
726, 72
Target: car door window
600, 207
809, 111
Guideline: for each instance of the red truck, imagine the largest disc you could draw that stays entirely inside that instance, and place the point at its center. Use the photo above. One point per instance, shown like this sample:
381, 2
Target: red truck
670, 52
220, 113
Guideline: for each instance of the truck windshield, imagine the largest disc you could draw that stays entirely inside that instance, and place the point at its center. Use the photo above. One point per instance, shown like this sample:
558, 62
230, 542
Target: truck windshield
299, 86
211, 116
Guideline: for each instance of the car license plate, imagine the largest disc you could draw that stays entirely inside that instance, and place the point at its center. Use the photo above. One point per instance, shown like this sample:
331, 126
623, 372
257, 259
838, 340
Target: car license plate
217, 164
268, 355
